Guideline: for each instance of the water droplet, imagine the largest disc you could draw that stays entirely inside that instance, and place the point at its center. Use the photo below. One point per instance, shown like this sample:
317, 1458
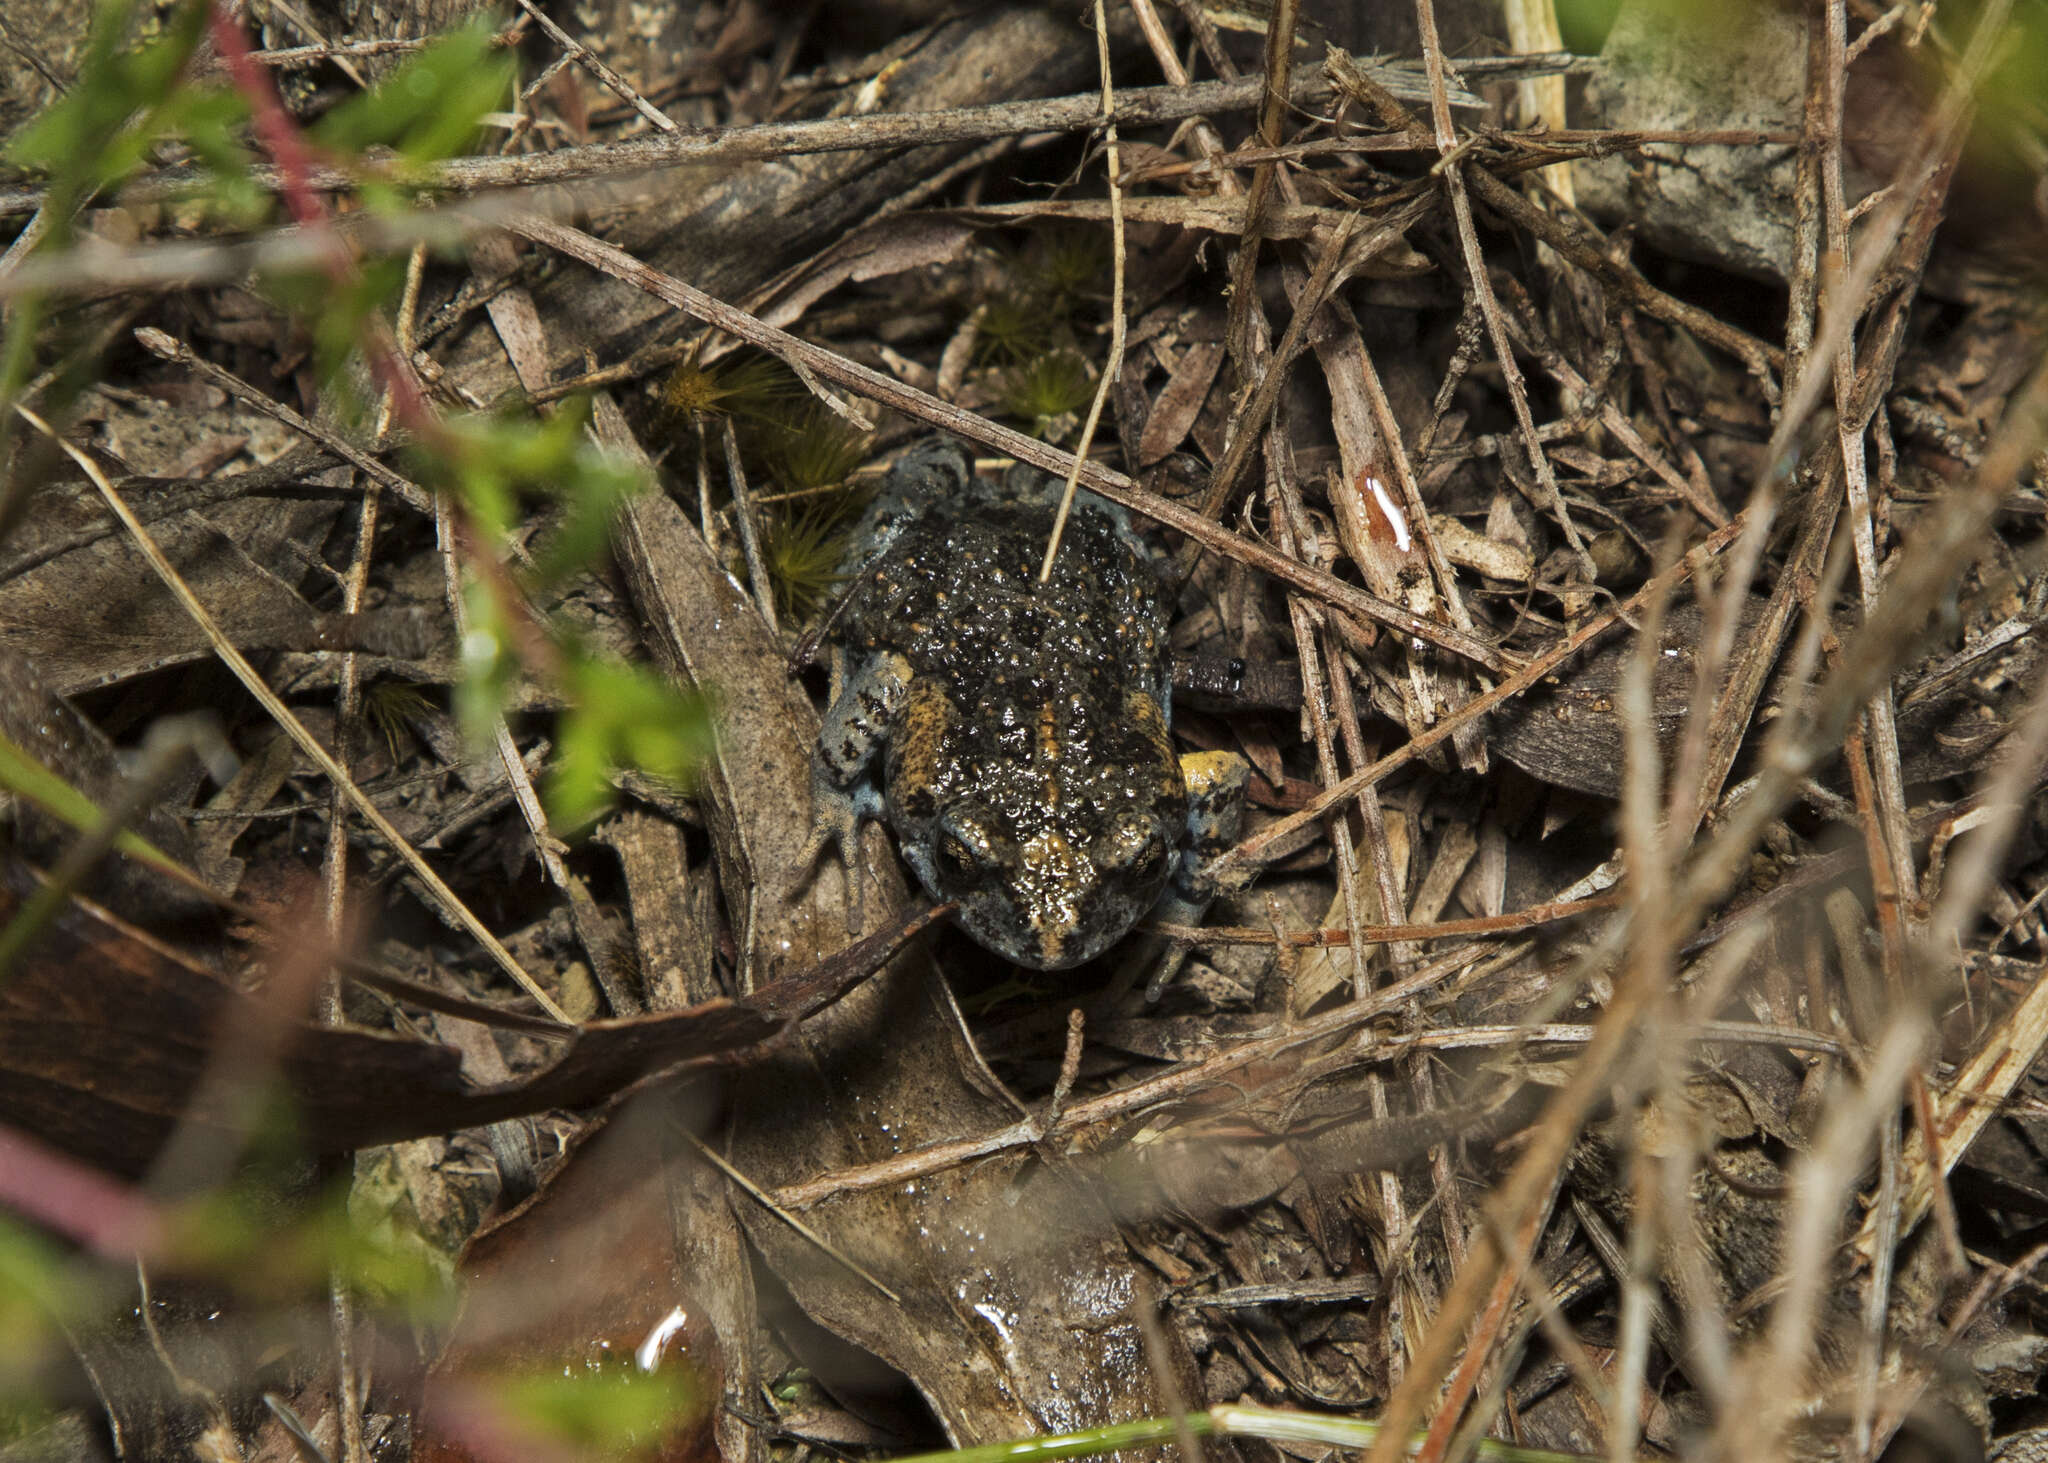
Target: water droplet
647, 1355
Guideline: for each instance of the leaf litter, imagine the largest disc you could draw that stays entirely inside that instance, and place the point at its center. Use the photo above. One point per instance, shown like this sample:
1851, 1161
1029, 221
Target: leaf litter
1617, 1030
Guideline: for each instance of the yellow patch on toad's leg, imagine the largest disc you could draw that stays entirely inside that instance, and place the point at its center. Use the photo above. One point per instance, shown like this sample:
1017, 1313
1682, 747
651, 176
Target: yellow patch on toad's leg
1215, 783
914, 748
1144, 715
1143, 711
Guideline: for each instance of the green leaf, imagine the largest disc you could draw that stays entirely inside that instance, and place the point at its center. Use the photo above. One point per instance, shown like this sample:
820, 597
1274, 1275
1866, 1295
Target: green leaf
32, 1273
86, 141
430, 107
29, 780
95, 106
621, 716
211, 120
617, 715
493, 460
488, 664
335, 314
591, 491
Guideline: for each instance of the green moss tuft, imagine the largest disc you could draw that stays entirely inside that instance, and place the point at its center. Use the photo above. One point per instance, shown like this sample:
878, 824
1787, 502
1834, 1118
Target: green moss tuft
1014, 327
1067, 265
749, 387
388, 706
1044, 389
803, 549
809, 448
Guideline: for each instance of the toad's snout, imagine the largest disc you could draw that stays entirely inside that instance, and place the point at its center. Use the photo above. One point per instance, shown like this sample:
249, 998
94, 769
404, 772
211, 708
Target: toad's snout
1056, 879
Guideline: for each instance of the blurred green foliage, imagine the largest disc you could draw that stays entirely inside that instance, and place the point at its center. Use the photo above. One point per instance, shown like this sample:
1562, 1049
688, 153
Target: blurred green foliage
616, 714
429, 108
130, 99
140, 102
609, 1410
1585, 23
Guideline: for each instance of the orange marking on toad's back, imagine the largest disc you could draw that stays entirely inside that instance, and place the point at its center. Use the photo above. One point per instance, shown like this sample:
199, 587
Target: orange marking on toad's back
919, 735
1049, 752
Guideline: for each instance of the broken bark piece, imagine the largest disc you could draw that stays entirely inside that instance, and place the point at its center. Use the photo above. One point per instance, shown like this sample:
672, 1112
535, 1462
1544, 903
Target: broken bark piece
1569, 730
93, 615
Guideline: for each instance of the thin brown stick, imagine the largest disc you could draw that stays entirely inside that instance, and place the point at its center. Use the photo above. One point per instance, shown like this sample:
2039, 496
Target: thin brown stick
1314, 705
1115, 361
948, 417
1248, 421
1199, 936
1909, 223
583, 56
781, 1211
1238, 862
1142, 1096
1549, 147
1279, 66
1481, 285
1207, 142
1652, 853
1920, 579
169, 348
1576, 246
743, 502
1137, 107
1526, 331
1897, 854
1205, 36
291, 13
1772, 1384
287, 56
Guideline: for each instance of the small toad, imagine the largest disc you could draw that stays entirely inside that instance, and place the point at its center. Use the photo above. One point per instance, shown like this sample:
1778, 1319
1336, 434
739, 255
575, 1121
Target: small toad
1013, 733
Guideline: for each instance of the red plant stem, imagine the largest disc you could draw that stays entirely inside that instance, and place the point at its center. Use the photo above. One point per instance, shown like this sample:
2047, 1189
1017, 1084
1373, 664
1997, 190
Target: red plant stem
274, 125
288, 148
281, 136
76, 1200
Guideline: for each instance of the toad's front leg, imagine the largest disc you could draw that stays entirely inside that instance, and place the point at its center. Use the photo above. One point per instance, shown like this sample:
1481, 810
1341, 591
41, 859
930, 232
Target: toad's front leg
1215, 785
865, 700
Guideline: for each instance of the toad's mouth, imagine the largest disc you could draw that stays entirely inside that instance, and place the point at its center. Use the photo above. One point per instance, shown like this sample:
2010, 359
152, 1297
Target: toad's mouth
1054, 908
1039, 940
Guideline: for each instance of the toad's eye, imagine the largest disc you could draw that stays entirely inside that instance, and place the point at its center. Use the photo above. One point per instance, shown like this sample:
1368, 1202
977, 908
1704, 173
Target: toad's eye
1149, 862
1133, 850
956, 861
964, 848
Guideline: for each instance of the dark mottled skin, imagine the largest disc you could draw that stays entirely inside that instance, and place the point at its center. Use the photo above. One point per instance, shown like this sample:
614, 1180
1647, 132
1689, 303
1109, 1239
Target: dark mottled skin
1025, 765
